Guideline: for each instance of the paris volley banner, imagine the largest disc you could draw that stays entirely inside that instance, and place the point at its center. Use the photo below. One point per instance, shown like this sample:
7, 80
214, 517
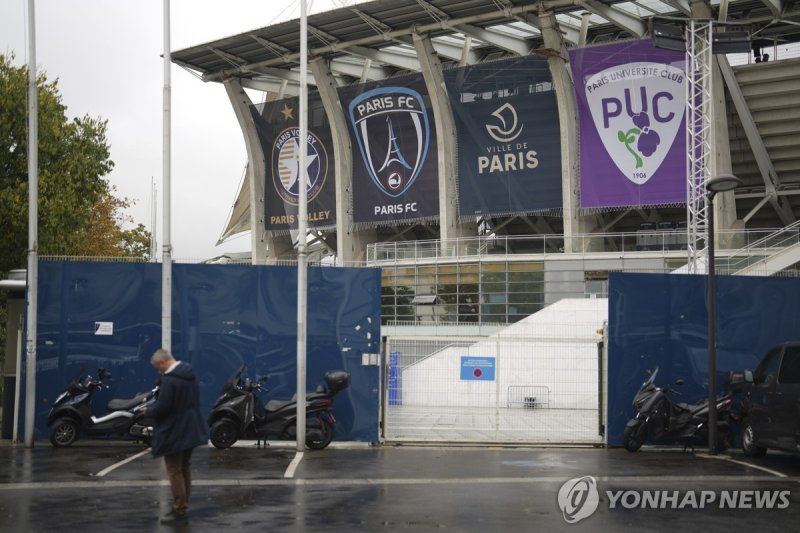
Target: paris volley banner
631, 105
278, 129
509, 140
393, 138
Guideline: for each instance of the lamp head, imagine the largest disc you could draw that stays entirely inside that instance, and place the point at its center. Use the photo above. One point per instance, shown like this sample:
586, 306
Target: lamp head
723, 183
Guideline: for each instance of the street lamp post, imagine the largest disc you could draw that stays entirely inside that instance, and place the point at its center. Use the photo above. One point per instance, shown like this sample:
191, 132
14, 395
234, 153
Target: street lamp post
713, 186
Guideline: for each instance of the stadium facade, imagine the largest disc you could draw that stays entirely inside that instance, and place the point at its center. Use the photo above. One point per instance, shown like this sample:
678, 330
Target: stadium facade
493, 157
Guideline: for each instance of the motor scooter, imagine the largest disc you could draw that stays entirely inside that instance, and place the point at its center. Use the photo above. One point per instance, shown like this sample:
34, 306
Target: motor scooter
658, 418
71, 414
238, 412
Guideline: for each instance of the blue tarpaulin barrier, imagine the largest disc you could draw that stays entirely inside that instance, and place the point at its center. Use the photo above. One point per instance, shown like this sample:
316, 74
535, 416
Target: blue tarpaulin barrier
108, 315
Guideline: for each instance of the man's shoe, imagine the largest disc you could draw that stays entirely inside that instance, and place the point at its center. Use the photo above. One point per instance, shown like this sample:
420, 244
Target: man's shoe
174, 517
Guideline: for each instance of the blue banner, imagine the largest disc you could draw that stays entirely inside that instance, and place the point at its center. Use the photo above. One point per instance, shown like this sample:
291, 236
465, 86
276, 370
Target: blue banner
395, 167
278, 129
509, 140
661, 320
223, 316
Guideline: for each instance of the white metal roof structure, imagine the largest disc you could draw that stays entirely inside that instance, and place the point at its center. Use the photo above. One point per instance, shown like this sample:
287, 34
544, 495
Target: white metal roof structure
373, 40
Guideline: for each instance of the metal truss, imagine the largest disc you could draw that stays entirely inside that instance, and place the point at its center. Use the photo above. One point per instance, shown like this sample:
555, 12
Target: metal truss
699, 139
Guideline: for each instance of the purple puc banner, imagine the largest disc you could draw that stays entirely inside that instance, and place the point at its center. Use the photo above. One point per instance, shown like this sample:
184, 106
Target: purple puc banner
631, 107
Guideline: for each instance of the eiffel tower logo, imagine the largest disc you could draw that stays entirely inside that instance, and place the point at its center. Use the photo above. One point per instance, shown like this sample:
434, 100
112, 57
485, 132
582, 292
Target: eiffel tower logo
393, 155
393, 151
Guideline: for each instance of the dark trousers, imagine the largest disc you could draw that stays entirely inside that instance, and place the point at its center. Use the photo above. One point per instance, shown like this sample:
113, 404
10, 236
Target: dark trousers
179, 473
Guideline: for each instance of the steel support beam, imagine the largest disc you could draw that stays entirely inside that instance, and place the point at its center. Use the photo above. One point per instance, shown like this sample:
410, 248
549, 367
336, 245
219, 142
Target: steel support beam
765, 166
405, 62
463, 54
681, 5
618, 17
351, 246
505, 42
775, 7
256, 170
365, 72
431, 67
569, 33
275, 48
270, 86
574, 224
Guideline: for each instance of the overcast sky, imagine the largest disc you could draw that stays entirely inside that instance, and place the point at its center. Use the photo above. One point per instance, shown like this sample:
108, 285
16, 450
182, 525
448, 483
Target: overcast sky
106, 56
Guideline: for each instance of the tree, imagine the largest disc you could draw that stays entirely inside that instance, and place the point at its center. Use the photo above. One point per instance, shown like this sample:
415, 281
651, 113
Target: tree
103, 235
73, 165
78, 211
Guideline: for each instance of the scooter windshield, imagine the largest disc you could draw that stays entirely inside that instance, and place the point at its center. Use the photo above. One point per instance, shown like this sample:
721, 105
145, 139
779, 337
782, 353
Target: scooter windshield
75, 381
652, 377
229, 385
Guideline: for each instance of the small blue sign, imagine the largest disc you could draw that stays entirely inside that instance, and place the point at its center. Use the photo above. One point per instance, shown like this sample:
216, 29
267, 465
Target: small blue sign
477, 368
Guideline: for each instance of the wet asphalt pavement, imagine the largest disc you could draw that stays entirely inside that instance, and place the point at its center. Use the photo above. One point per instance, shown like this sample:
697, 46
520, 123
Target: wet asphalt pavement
410, 488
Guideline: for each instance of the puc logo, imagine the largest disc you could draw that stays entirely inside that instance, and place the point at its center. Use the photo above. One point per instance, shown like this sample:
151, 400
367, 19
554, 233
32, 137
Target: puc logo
637, 109
578, 498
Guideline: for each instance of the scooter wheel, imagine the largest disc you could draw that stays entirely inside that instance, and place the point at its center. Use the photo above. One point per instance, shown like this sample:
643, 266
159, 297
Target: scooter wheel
224, 433
316, 443
63, 433
633, 438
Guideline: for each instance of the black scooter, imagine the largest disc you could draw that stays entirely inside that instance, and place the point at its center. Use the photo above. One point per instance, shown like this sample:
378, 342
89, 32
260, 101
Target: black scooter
71, 414
659, 419
238, 412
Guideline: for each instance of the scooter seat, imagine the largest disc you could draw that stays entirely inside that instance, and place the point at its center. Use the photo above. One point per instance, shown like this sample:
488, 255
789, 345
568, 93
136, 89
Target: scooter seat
691, 407
123, 405
275, 405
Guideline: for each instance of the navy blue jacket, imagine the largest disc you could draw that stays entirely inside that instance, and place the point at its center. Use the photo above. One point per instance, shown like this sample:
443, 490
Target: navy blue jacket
179, 423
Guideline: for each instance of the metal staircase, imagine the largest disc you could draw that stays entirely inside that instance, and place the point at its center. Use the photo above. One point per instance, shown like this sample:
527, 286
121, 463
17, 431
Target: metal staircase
766, 256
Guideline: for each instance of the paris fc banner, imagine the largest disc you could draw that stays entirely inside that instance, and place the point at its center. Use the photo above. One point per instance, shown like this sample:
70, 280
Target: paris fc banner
395, 167
509, 141
631, 105
278, 129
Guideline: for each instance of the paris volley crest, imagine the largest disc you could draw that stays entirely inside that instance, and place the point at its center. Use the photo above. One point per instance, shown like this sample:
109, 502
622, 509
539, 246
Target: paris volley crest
393, 132
637, 109
286, 165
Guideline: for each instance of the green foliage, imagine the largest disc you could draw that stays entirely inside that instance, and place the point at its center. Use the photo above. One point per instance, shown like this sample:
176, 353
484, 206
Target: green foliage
136, 242
78, 212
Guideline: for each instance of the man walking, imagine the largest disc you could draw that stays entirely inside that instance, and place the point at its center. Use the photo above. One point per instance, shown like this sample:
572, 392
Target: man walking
179, 428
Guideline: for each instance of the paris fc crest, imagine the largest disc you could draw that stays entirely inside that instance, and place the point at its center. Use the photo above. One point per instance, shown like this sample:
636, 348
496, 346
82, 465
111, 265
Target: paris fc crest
286, 165
393, 132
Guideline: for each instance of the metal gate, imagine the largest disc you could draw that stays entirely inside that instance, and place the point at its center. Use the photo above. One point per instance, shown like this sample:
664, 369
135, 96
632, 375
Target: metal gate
491, 389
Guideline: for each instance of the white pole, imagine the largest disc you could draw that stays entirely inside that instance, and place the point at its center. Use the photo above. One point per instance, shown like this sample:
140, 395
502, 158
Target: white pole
33, 230
18, 382
153, 221
166, 266
302, 215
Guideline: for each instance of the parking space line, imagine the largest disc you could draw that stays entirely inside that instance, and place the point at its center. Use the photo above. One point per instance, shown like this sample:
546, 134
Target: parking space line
293, 465
732, 460
105, 471
556, 480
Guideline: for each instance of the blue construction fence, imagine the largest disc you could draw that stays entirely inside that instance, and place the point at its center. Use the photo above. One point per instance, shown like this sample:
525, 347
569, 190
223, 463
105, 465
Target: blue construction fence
661, 320
108, 315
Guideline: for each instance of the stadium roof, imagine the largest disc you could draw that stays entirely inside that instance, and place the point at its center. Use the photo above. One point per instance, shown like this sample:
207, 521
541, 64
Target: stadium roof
372, 40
